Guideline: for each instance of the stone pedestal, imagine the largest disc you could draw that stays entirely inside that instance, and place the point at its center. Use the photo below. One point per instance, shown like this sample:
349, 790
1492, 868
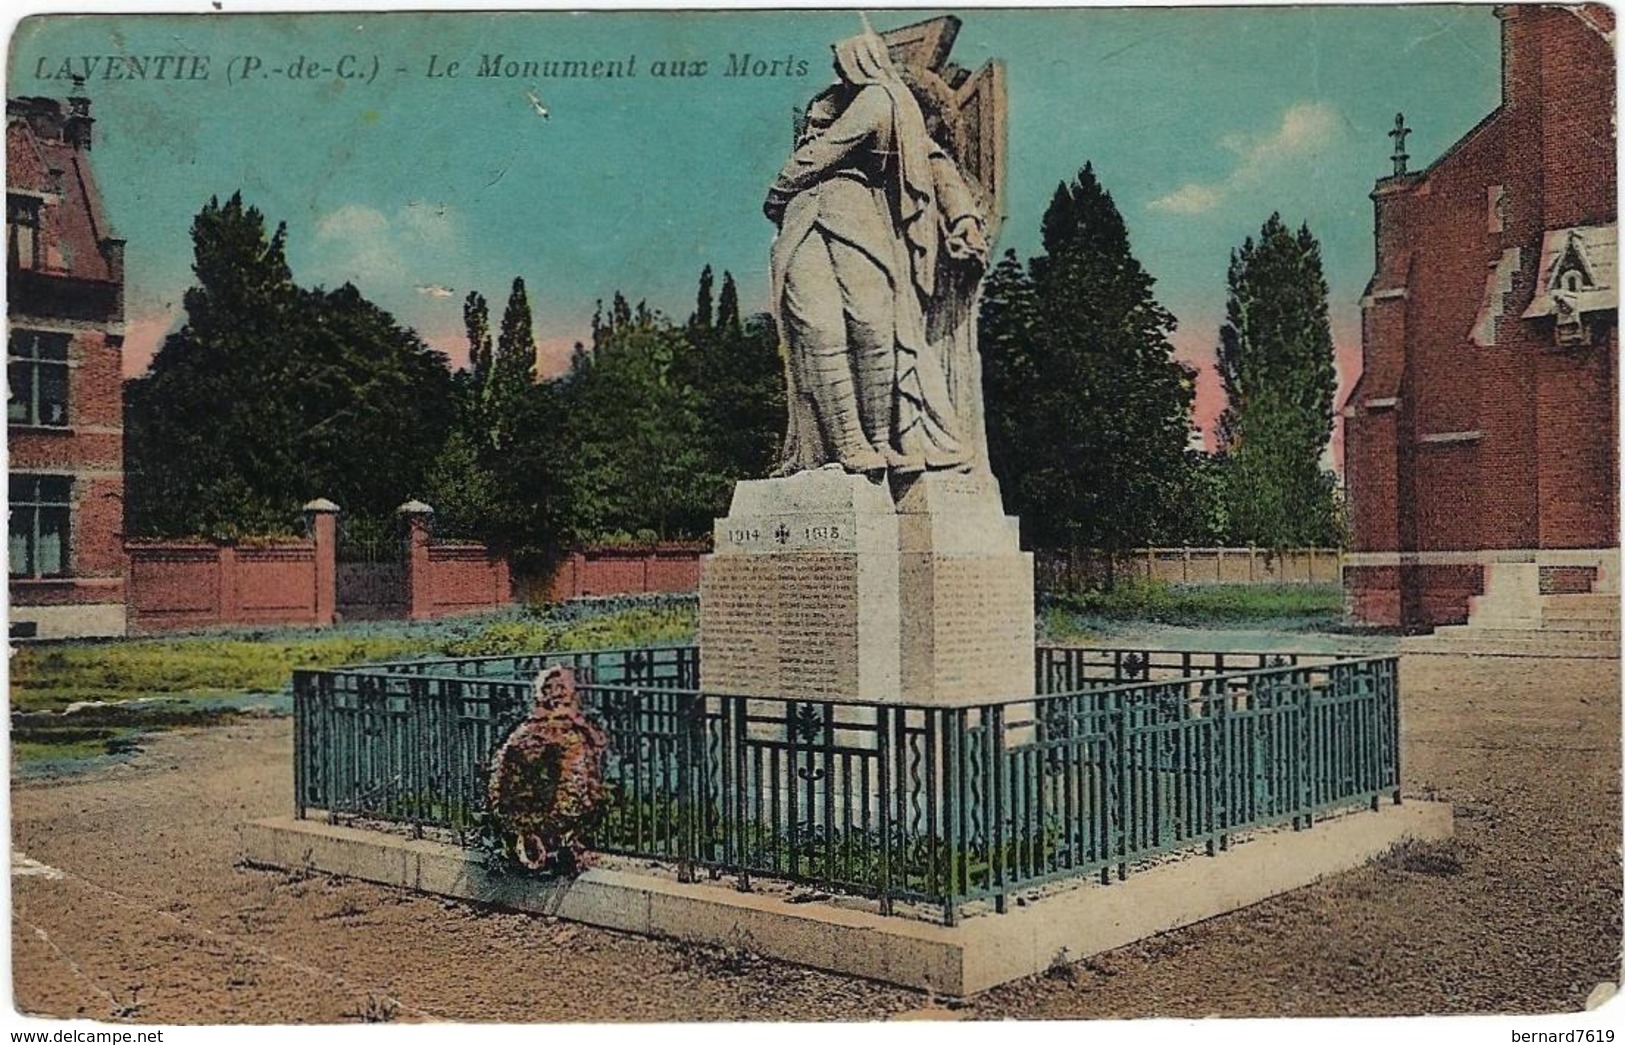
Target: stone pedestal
832, 586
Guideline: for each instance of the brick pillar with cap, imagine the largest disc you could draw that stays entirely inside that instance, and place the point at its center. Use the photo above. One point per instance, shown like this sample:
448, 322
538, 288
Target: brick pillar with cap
322, 522
419, 583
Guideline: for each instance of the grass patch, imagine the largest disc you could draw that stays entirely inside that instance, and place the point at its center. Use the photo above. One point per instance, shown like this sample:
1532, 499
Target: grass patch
1296, 605
49, 678
1439, 859
644, 626
63, 744
45, 678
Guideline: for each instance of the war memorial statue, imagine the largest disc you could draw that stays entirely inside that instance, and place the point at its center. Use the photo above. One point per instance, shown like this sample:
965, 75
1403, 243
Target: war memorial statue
877, 564
880, 250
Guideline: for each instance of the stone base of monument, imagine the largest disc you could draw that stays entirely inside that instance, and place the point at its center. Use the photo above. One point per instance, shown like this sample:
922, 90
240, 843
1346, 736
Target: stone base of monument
831, 586
1061, 923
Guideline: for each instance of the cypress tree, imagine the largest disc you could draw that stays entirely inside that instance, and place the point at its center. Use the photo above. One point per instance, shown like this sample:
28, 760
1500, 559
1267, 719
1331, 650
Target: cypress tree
1088, 411
1275, 357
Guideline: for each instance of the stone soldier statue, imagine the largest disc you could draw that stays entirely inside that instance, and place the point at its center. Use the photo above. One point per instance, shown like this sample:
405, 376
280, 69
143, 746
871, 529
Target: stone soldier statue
879, 237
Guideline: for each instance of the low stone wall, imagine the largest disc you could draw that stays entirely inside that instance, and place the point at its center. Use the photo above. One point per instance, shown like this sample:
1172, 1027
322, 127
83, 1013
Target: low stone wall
1087, 568
983, 951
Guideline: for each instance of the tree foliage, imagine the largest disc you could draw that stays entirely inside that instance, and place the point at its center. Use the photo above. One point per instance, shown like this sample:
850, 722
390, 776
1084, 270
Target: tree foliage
271, 395
1275, 358
513, 368
1087, 409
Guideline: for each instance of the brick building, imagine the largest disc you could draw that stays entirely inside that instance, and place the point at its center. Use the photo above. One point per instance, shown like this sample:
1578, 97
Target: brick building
64, 412
1482, 436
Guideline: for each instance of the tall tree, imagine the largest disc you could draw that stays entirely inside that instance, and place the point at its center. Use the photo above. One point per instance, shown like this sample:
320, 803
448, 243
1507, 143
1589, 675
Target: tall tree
1087, 408
728, 320
1009, 344
1275, 358
513, 369
702, 317
477, 322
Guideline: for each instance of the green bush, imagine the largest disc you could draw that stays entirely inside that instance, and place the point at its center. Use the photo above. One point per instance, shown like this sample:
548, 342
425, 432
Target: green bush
1195, 604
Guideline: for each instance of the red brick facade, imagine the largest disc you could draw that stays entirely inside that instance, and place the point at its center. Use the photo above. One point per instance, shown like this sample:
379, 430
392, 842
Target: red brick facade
1484, 425
65, 270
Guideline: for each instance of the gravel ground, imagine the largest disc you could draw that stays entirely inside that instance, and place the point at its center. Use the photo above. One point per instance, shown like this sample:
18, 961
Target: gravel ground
129, 904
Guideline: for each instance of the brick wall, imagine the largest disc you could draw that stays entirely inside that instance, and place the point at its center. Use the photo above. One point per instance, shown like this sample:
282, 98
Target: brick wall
178, 585
444, 580
458, 579
199, 584
665, 568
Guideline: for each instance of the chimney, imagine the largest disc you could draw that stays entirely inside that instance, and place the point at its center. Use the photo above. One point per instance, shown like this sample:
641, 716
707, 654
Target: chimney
1520, 53
76, 127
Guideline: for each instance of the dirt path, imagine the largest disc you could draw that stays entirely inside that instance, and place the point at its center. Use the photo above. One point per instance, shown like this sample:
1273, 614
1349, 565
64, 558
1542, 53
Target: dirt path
134, 907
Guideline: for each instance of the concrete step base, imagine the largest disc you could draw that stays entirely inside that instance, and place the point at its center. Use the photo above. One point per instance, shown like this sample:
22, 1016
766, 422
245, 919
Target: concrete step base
1548, 633
1553, 614
1595, 602
1061, 924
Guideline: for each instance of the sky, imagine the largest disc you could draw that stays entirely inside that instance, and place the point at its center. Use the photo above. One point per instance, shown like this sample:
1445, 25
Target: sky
420, 187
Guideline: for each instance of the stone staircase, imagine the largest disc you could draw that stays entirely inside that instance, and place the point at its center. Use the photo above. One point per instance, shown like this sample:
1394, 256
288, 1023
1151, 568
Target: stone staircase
1512, 619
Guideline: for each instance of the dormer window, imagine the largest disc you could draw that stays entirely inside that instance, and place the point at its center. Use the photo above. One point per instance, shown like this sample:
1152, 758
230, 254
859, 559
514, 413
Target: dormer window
1572, 270
1578, 282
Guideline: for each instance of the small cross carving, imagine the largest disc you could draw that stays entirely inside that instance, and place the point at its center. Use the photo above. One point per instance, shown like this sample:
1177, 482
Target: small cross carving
1399, 134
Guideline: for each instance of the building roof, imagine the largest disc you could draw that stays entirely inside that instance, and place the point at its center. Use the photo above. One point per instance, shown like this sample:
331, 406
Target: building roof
48, 157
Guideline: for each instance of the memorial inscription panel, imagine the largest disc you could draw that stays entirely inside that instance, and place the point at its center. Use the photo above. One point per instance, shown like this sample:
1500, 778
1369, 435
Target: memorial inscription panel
824, 587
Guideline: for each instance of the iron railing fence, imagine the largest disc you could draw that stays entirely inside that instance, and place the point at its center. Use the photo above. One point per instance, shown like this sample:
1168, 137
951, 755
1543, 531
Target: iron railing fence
1109, 765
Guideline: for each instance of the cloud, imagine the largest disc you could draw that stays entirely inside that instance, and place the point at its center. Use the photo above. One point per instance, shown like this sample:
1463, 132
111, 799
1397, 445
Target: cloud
1306, 129
1189, 199
379, 251
435, 290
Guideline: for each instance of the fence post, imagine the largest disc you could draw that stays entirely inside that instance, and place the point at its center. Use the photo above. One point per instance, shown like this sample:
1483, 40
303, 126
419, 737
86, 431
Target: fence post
883, 764
998, 862
301, 740
321, 521
1311, 756
689, 747
1124, 809
419, 585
